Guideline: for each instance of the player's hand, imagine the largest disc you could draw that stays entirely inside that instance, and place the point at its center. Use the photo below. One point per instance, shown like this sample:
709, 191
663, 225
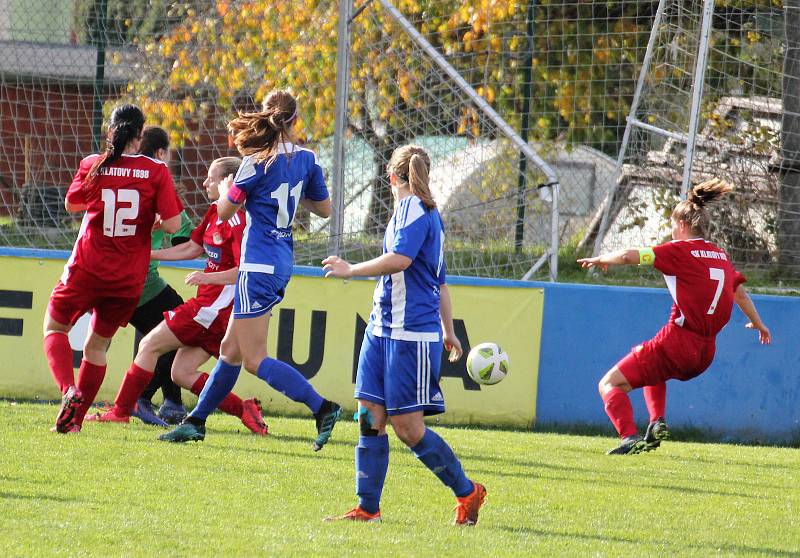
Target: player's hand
225, 185
196, 278
157, 223
763, 332
453, 346
334, 266
588, 263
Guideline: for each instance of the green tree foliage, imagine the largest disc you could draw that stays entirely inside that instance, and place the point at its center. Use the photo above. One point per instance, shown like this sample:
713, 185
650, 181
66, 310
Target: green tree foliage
128, 21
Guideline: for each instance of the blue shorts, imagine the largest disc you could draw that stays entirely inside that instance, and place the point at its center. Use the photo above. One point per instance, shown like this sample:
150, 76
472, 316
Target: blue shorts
257, 293
402, 376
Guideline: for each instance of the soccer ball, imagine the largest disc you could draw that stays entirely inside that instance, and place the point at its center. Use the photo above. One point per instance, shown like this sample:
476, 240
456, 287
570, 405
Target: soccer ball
487, 363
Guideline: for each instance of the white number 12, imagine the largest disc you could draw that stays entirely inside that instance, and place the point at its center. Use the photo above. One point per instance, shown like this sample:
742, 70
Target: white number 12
717, 275
282, 195
114, 217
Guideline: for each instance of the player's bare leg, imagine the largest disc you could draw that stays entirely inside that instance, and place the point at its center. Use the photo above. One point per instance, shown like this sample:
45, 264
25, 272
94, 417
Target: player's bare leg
184, 367
158, 342
614, 388
214, 391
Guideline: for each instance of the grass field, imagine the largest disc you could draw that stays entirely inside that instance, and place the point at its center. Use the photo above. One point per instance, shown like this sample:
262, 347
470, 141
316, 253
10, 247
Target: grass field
115, 491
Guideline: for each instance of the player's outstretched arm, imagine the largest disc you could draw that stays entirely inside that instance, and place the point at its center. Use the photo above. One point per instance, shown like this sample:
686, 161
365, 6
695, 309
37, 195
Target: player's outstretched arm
388, 263
622, 257
227, 277
744, 302
186, 251
451, 342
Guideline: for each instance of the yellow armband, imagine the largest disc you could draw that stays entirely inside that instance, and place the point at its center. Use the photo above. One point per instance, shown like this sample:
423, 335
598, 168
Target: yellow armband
646, 256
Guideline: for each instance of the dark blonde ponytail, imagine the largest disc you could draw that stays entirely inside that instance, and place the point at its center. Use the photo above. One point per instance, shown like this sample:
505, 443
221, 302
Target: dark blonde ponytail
412, 165
261, 133
692, 210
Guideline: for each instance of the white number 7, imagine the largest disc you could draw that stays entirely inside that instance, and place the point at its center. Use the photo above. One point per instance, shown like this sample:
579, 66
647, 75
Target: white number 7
717, 275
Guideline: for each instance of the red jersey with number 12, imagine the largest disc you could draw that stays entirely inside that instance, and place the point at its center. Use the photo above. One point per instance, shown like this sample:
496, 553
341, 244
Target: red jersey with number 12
222, 241
702, 281
112, 251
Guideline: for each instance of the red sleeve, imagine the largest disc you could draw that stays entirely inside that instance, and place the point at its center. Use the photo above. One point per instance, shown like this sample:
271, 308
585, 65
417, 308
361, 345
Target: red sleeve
75, 193
200, 230
668, 256
738, 279
167, 203
238, 233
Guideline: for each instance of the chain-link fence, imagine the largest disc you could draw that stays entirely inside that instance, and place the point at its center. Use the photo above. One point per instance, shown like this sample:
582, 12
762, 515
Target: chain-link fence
562, 75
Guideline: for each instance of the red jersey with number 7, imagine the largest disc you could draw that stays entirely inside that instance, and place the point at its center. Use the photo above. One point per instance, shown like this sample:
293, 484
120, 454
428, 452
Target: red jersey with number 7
702, 281
112, 251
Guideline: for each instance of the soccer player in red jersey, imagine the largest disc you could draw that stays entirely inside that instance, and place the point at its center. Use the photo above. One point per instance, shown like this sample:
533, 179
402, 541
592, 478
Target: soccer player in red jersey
704, 286
121, 192
196, 327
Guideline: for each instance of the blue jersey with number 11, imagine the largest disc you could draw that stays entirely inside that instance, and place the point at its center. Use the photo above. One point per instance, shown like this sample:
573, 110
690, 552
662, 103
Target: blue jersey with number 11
271, 197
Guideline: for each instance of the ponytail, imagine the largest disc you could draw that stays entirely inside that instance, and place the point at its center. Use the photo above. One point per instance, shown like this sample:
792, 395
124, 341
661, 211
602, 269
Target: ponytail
692, 210
126, 125
411, 164
261, 133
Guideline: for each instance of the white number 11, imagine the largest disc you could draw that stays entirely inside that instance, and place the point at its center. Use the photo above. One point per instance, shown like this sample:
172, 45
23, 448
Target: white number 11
282, 194
717, 275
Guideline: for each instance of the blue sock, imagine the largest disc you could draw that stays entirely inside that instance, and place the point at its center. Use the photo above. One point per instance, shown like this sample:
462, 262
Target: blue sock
220, 383
439, 458
287, 380
372, 461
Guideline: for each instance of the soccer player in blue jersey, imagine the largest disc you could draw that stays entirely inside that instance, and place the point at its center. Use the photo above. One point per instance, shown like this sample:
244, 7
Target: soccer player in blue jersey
275, 177
411, 321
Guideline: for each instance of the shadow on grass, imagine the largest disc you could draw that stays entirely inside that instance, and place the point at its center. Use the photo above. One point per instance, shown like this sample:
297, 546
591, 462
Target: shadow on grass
284, 438
625, 482
710, 548
677, 434
48, 497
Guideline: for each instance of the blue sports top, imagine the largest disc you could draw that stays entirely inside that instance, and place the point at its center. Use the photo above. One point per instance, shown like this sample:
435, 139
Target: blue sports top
406, 303
271, 197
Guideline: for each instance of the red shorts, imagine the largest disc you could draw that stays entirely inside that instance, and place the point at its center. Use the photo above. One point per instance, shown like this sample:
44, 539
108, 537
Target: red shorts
673, 354
194, 328
68, 303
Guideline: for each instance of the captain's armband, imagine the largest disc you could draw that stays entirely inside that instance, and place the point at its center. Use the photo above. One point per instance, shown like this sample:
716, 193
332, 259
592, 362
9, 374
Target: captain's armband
236, 195
646, 256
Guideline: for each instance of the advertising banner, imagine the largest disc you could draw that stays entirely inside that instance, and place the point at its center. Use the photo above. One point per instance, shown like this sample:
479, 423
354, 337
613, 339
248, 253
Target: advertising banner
318, 328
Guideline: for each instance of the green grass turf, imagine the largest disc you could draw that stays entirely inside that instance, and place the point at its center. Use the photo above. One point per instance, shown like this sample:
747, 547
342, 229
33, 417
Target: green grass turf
115, 491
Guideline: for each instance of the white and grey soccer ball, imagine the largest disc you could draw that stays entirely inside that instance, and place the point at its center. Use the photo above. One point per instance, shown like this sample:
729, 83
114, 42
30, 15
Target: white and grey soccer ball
487, 363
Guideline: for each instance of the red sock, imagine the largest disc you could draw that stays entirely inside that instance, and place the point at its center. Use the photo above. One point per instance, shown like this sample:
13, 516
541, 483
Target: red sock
90, 378
232, 404
133, 384
620, 411
656, 399
59, 357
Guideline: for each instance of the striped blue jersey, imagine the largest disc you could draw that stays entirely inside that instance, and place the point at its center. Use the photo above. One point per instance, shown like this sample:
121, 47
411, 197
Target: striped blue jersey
406, 303
271, 197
